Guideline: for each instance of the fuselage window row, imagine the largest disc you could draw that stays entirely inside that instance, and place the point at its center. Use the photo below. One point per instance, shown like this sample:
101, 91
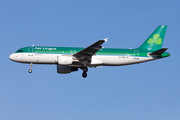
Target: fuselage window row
75, 52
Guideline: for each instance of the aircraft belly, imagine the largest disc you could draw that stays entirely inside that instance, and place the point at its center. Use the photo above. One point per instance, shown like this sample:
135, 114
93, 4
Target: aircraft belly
119, 60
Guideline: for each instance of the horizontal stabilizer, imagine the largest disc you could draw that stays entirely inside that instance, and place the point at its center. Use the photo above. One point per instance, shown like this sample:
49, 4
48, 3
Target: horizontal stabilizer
159, 52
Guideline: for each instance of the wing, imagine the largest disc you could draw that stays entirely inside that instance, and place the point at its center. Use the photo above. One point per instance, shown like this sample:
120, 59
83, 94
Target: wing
88, 52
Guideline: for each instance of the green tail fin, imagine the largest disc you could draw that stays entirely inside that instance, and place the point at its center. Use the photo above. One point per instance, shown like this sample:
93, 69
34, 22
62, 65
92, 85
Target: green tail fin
155, 40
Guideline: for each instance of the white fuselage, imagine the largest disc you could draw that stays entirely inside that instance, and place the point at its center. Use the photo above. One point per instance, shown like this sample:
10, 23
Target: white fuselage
106, 60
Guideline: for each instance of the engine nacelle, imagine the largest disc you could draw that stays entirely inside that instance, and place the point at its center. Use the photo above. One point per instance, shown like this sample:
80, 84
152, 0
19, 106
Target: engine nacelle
65, 69
65, 60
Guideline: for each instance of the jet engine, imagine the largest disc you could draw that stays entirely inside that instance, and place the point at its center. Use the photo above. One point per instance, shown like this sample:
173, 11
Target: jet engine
65, 60
65, 69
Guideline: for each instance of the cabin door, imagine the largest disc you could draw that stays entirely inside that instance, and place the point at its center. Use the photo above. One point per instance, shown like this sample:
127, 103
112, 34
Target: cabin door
136, 54
30, 51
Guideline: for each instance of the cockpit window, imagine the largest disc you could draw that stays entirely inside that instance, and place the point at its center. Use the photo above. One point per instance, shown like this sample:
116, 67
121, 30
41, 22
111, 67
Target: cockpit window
20, 51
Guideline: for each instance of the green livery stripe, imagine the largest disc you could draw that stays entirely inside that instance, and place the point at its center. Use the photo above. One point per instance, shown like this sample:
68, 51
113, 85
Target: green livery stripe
73, 50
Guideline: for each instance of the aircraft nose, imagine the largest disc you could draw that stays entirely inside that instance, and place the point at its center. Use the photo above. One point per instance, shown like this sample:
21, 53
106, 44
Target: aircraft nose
11, 57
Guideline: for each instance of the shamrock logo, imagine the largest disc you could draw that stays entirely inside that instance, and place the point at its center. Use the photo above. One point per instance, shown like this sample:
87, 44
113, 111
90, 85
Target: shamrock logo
155, 39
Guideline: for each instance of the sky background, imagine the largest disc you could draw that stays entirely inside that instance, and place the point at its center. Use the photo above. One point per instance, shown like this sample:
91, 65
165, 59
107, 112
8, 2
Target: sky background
146, 91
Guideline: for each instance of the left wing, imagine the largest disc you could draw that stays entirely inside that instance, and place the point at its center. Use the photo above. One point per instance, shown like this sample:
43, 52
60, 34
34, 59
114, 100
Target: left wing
88, 52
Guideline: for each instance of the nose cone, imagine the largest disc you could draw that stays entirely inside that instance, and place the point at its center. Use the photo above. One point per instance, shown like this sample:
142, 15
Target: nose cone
11, 57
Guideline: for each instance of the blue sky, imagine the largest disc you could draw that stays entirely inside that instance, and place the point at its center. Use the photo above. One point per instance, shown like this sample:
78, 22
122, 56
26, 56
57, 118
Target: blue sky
147, 91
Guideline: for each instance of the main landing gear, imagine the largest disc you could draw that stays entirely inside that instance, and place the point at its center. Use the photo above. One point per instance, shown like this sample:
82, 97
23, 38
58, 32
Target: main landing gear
84, 74
30, 70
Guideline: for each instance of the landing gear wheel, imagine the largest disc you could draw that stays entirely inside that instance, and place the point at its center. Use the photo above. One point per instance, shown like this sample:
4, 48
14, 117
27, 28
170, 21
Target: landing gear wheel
84, 75
30, 71
85, 69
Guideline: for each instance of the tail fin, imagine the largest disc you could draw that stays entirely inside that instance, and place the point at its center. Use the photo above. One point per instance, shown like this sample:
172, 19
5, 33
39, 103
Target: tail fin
155, 40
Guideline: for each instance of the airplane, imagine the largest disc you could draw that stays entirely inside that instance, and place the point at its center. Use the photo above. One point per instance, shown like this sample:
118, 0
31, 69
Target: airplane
70, 59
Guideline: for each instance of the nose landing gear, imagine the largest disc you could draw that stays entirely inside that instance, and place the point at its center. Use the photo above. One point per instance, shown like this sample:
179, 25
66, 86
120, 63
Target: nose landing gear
84, 74
30, 70
85, 69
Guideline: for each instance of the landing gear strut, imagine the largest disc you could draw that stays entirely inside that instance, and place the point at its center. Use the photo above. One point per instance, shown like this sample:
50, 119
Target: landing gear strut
84, 74
85, 69
30, 70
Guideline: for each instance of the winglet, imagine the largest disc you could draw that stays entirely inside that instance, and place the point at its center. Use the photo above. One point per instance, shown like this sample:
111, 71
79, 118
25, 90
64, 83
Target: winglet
105, 39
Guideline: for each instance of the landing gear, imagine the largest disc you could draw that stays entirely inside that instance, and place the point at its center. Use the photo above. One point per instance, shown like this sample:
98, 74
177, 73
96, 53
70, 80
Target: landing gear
30, 70
84, 74
85, 69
